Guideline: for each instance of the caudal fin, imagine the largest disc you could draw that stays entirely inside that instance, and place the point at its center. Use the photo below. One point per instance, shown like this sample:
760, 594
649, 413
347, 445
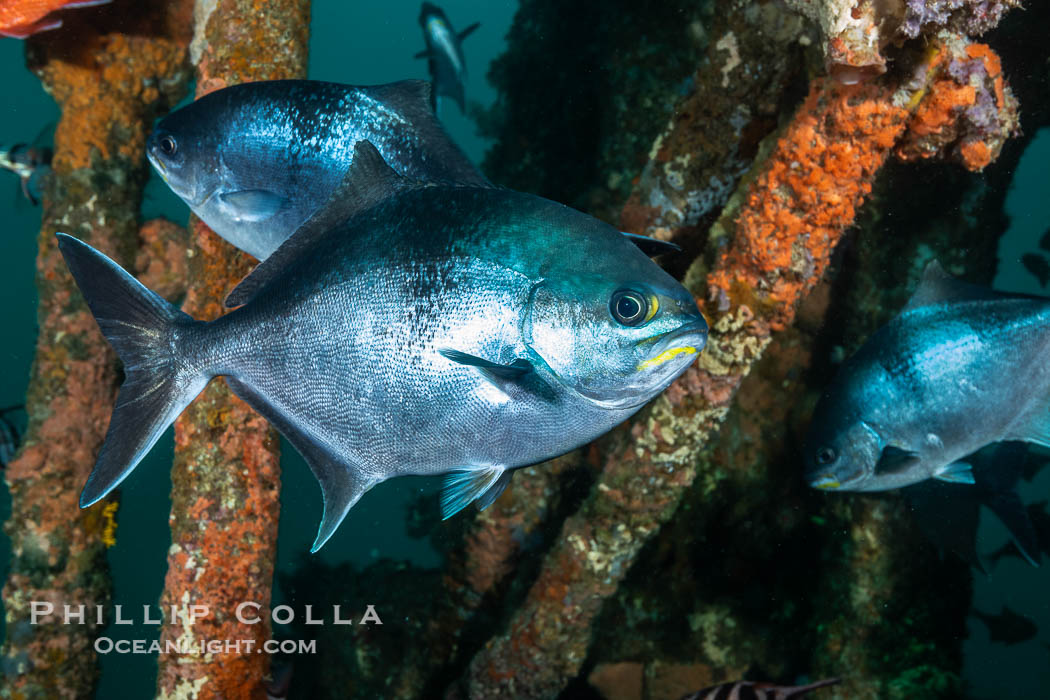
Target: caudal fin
140, 326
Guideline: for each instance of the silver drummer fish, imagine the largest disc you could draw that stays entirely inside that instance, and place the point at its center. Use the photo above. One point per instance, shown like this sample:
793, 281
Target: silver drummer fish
408, 328
255, 160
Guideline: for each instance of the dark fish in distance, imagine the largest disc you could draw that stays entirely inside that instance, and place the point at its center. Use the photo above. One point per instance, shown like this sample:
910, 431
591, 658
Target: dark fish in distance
9, 436
255, 160
750, 690
30, 164
961, 367
408, 328
1044, 241
280, 681
1038, 266
949, 514
1007, 627
444, 53
1040, 521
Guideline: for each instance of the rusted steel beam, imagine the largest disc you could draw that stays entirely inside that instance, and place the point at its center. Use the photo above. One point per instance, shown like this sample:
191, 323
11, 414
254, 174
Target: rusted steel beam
226, 477
110, 72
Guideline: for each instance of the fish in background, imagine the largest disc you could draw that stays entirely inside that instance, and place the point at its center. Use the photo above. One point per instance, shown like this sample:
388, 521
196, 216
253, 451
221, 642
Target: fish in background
949, 514
10, 438
1038, 266
444, 54
280, 681
1007, 627
1036, 263
1040, 519
30, 163
959, 368
21, 18
255, 160
407, 328
750, 690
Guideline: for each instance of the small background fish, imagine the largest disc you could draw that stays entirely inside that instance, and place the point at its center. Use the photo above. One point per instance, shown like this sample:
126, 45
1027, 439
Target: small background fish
10, 436
751, 690
21, 18
30, 163
1007, 627
444, 54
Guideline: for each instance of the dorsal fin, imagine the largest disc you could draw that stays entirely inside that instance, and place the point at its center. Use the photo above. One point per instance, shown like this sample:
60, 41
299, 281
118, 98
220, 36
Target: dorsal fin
409, 97
367, 182
938, 287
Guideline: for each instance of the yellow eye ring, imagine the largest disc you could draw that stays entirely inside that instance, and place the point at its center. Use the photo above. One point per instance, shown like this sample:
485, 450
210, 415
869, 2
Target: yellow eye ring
654, 306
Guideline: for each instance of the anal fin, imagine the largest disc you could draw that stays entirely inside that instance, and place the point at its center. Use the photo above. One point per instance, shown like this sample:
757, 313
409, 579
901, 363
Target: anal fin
1032, 426
341, 487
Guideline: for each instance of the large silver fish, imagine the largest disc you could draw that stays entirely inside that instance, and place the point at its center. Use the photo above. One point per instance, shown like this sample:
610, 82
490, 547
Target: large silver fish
444, 53
961, 367
255, 160
437, 330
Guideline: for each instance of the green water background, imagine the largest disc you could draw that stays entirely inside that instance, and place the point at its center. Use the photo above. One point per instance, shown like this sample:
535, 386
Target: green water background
373, 43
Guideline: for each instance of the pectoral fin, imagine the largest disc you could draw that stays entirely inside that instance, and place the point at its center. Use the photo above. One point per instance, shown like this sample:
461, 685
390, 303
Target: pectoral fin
472, 483
955, 473
251, 205
492, 370
467, 32
895, 460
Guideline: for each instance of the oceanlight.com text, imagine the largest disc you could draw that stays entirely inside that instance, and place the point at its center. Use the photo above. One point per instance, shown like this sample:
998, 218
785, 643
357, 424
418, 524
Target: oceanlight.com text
199, 647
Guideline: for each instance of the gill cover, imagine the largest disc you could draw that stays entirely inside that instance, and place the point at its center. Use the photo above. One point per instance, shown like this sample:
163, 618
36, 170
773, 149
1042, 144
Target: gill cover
578, 340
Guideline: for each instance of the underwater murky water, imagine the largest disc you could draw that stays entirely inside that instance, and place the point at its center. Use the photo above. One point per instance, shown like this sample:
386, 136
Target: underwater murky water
700, 560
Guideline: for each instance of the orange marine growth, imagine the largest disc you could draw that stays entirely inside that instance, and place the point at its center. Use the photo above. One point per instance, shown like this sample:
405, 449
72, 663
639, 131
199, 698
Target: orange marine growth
969, 111
797, 209
20, 18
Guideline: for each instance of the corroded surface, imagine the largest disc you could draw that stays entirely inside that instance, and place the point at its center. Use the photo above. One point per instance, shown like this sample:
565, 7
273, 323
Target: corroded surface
226, 477
110, 87
857, 33
161, 263
755, 54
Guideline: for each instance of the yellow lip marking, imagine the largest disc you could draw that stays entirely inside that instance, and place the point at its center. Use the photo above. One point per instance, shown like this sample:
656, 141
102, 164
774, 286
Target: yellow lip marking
665, 356
827, 483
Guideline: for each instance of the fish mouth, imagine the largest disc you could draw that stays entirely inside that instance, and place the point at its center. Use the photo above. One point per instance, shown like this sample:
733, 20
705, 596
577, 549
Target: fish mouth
157, 164
688, 339
825, 482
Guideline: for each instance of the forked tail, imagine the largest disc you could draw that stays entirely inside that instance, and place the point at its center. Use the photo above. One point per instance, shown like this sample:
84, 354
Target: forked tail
157, 386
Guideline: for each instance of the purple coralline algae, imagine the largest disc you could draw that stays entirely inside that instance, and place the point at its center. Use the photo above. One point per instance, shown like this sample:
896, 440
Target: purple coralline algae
970, 17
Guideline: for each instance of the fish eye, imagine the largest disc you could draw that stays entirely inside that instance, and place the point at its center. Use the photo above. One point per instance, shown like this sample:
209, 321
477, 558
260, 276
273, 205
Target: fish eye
168, 145
629, 308
825, 455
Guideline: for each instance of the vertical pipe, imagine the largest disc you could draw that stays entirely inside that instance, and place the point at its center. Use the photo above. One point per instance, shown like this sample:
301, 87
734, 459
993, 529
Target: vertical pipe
226, 477
110, 71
